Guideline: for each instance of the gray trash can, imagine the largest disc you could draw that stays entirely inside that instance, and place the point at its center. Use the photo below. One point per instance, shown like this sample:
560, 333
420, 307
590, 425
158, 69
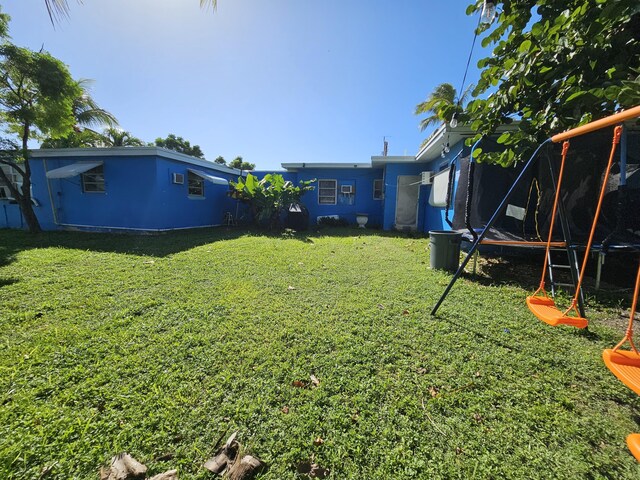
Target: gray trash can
445, 249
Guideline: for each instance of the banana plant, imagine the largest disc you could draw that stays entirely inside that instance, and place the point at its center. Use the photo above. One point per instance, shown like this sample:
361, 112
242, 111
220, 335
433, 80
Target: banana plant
269, 197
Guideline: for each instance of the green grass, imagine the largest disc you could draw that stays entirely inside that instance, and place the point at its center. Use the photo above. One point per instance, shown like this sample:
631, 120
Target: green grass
164, 345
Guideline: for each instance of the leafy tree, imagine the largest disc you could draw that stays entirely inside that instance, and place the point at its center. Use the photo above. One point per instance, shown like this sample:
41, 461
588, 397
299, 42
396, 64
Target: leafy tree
268, 197
179, 144
220, 160
116, 137
36, 100
556, 64
241, 165
440, 106
88, 115
80, 138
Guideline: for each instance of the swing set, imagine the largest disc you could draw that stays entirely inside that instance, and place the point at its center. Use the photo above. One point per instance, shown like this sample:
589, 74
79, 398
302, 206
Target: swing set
624, 364
540, 303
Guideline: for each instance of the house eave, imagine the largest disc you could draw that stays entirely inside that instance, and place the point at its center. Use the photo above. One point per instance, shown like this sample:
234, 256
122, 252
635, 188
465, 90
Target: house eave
433, 148
381, 160
130, 152
292, 167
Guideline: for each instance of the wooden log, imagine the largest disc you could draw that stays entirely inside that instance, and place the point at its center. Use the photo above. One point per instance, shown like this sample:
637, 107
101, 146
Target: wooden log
224, 457
245, 469
124, 467
169, 475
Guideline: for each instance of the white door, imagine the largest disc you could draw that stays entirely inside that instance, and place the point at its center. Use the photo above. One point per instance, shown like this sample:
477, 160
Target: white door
407, 202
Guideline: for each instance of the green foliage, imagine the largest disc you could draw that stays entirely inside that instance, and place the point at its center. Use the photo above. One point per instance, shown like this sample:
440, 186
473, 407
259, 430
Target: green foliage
76, 139
241, 164
116, 137
162, 345
555, 65
87, 112
179, 144
4, 25
37, 97
269, 197
220, 160
37, 93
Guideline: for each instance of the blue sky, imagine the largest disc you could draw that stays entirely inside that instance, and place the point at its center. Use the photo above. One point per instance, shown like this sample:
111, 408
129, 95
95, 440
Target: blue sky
273, 81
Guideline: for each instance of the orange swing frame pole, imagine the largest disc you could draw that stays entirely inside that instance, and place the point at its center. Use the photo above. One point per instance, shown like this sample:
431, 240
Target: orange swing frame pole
616, 140
628, 337
565, 149
598, 124
544, 307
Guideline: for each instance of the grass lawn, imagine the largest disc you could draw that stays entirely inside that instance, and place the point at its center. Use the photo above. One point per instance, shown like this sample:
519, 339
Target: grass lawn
162, 346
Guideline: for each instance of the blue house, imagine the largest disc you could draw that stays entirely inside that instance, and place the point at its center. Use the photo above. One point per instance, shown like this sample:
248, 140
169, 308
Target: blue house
152, 189
131, 188
394, 192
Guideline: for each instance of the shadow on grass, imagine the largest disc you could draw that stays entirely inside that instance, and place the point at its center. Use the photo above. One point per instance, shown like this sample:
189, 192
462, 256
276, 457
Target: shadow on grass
12, 242
524, 271
7, 281
479, 334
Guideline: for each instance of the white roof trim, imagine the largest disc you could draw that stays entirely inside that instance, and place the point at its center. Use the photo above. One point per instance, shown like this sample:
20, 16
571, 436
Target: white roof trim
433, 147
72, 170
289, 166
380, 160
130, 152
211, 178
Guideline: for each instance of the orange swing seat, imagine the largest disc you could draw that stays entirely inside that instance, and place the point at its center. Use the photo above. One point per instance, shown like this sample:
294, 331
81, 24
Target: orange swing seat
544, 308
633, 442
624, 364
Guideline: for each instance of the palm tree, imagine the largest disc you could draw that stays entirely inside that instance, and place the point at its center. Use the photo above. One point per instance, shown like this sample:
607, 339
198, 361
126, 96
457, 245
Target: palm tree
77, 139
87, 112
116, 137
88, 116
441, 105
60, 8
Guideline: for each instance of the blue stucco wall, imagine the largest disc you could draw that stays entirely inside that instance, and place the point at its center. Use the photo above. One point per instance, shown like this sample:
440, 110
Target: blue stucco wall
347, 206
178, 210
139, 195
10, 214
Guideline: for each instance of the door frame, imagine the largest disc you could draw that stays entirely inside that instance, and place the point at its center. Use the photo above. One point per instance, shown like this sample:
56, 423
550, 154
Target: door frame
413, 227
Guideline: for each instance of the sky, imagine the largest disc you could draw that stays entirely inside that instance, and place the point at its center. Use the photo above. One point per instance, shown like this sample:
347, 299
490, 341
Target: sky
272, 81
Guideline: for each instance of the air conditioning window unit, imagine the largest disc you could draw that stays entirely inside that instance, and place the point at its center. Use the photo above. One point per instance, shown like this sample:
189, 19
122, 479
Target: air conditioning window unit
178, 178
346, 189
427, 178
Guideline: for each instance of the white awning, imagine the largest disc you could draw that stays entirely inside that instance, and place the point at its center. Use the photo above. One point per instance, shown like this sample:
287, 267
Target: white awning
72, 170
211, 178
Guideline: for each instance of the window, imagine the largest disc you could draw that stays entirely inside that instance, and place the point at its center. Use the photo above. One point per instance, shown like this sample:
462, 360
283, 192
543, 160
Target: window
196, 185
93, 180
14, 178
377, 189
327, 192
439, 187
